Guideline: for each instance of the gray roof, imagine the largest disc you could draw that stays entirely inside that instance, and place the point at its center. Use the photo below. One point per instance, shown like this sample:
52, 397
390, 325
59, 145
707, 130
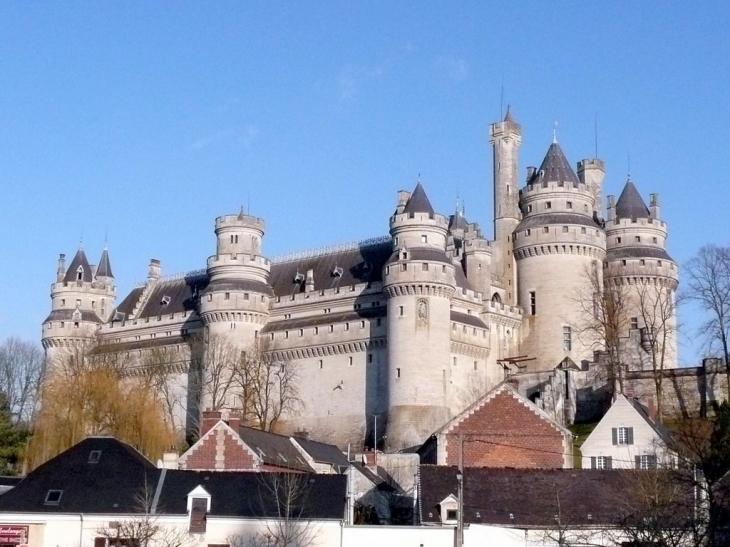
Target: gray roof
544, 219
430, 254
555, 168
68, 315
182, 294
275, 450
78, 260
105, 268
324, 453
637, 252
662, 431
630, 204
458, 222
239, 285
325, 319
418, 202
466, 319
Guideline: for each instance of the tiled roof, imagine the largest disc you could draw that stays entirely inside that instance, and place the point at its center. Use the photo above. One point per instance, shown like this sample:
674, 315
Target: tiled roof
630, 204
418, 202
111, 485
72, 271
555, 168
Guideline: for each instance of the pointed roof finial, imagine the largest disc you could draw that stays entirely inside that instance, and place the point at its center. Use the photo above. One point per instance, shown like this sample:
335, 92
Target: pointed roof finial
555, 132
509, 117
241, 214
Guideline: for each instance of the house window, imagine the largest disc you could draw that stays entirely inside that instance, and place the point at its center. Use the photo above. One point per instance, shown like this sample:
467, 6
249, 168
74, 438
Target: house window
197, 516
53, 497
451, 514
647, 461
567, 338
533, 303
622, 435
601, 462
634, 323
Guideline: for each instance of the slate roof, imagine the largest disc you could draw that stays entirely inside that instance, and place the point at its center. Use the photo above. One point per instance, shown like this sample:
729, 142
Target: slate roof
544, 219
68, 315
658, 427
458, 222
630, 204
466, 319
78, 260
637, 252
183, 294
555, 168
324, 319
324, 453
431, 254
275, 450
361, 265
105, 268
247, 494
418, 202
112, 485
529, 495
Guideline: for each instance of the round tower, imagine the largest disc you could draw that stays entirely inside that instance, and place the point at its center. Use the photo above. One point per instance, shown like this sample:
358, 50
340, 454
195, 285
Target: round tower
636, 258
82, 298
557, 244
505, 137
419, 281
235, 304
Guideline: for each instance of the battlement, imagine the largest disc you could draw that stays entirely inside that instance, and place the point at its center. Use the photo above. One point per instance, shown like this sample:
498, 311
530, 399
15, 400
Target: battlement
98, 288
234, 262
475, 245
239, 221
533, 188
648, 223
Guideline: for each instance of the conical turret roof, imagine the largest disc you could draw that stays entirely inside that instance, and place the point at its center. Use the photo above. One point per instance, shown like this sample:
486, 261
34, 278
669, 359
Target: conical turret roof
630, 204
79, 261
509, 117
555, 167
418, 202
105, 267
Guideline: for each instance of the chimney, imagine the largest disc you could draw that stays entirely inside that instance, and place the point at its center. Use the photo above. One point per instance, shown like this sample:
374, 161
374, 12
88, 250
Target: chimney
403, 197
630, 393
208, 420
154, 272
61, 272
170, 460
651, 406
530, 173
234, 421
611, 206
309, 283
654, 205
302, 434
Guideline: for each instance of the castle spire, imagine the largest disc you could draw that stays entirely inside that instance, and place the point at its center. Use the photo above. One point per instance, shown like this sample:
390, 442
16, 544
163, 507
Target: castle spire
630, 203
105, 267
79, 269
418, 202
509, 117
555, 167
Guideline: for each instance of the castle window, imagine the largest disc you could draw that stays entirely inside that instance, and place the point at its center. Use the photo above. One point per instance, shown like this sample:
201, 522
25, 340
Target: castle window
634, 323
582, 230
349, 361
332, 328
424, 238
561, 183
424, 267
78, 303
76, 324
454, 360
400, 310
397, 373
565, 229
475, 365
271, 336
227, 296
546, 230
653, 240
370, 357
316, 330
321, 364
637, 239
642, 262
301, 332
231, 239
568, 204
443, 269
387, 270
377, 322
362, 324
347, 326
80, 273
453, 326
659, 263
623, 263
63, 301
403, 267
245, 296
533, 303
548, 205
396, 241
93, 304
544, 183
527, 232
62, 324
567, 339
618, 240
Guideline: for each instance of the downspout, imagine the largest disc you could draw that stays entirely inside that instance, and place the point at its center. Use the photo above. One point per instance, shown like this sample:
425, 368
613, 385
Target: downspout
81, 529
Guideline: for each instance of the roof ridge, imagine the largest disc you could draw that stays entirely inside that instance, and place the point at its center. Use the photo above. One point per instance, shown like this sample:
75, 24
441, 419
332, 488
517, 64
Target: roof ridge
330, 249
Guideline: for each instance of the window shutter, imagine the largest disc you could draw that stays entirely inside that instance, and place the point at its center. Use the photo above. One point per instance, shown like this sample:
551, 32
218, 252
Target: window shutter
99, 542
630, 435
593, 462
637, 460
614, 435
652, 462
609, 462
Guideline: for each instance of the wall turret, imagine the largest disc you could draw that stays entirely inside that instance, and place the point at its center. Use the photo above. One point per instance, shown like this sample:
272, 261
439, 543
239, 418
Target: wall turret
419, 281
591, 173
505, 137
556, 244
81, 300
235, 304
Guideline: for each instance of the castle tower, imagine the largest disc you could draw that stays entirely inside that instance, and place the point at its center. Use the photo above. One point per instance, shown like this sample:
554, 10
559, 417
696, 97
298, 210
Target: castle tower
556, 244
419, 281
505, 137
82, 298
235, 304
636, 257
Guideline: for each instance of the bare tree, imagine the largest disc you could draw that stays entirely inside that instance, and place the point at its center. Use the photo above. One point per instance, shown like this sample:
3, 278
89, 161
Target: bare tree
219, 366
160, 365
267, 385
283, 501
708, 284
603, 310
21, 370
656, 304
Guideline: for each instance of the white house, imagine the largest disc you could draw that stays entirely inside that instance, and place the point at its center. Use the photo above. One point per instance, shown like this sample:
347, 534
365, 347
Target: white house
628, 437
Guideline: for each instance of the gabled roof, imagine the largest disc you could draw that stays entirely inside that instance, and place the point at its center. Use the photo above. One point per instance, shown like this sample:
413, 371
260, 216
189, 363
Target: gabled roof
275, 450
657, 426
105, 268
418, 202
555, 168
79, 260
113, 484
630, 204
324, 453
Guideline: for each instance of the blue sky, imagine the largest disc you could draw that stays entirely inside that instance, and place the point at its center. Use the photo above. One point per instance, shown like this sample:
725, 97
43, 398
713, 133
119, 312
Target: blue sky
141, 122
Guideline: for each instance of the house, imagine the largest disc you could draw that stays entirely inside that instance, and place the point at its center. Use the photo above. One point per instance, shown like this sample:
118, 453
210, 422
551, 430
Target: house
628, 436
501, 429
103, 489
226, 445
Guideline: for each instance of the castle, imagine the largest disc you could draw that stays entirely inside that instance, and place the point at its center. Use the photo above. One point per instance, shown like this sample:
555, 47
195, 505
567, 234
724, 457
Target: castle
408, 328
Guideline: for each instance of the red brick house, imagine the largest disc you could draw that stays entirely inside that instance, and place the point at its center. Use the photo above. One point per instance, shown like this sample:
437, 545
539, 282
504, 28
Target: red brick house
501, 429
226, 445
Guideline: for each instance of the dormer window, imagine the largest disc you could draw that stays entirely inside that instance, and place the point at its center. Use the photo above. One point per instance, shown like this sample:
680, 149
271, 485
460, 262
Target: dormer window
80, 273
198, 509
165, 300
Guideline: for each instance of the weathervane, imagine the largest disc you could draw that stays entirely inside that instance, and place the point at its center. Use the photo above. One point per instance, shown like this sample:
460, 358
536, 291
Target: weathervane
555, 132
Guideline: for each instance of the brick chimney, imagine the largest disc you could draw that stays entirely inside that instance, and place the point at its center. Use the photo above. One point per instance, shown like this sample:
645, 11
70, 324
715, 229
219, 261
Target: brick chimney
234, 421
302, 434
208, 420
651, 406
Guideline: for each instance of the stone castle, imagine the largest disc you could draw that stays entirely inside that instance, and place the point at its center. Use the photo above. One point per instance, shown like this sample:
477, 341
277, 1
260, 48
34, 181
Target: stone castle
407, 329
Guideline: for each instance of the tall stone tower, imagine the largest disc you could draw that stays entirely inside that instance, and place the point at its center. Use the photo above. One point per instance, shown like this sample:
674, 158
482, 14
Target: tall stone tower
419, 281
82, 298
234, 306
637, 259
556, 244
505, 137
